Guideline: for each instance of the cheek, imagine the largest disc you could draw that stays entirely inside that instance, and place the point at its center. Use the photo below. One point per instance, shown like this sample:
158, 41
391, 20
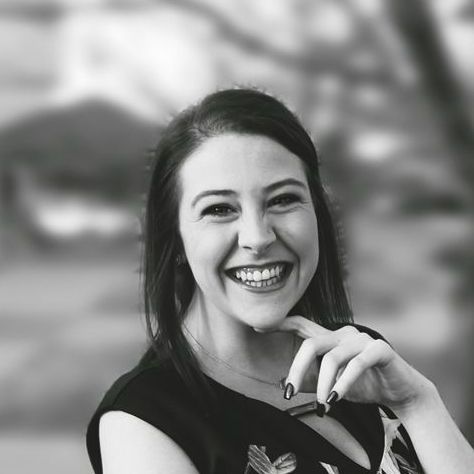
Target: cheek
205, 250
302, 229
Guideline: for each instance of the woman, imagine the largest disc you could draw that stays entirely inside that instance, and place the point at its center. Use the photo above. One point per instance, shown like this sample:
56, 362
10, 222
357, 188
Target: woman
255, 364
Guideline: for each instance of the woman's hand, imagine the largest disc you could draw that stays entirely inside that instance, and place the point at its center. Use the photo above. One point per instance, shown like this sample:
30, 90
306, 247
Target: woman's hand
353, 365
362, 369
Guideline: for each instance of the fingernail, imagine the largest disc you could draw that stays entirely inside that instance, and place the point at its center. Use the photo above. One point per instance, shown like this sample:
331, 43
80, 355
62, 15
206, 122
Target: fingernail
333, 397
320, 409
289, 389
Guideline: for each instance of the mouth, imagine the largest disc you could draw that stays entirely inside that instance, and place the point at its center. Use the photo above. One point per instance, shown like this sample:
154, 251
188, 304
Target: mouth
271, 276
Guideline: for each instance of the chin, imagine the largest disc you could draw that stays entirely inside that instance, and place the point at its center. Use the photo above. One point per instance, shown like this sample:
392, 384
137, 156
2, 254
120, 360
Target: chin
263, 323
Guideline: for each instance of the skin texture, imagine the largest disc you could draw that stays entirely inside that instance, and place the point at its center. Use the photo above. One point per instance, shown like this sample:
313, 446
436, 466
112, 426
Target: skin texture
129, 444
248, 227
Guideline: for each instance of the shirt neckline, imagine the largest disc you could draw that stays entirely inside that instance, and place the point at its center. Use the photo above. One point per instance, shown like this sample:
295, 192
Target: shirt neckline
375, 453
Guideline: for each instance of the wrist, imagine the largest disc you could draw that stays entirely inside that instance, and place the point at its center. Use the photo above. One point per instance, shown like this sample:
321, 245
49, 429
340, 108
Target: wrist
426, 401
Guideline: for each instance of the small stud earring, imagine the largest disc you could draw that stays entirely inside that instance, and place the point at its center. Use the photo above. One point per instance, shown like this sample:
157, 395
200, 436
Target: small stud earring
180, 259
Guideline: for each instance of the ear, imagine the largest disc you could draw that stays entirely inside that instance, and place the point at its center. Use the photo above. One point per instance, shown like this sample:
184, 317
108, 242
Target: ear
180, 253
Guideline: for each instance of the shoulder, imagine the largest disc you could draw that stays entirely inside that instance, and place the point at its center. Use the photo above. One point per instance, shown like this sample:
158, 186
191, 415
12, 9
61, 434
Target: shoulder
149, 404
153, 383
144, 391
129, 444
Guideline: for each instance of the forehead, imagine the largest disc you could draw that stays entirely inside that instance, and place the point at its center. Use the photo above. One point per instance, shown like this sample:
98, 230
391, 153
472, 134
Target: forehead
238, 162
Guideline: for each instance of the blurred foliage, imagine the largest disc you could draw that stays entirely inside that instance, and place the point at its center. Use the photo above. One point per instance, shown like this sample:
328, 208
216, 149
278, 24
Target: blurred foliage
385, 89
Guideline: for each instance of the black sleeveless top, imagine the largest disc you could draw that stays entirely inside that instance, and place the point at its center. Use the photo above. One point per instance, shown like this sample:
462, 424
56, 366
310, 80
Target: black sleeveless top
242, 435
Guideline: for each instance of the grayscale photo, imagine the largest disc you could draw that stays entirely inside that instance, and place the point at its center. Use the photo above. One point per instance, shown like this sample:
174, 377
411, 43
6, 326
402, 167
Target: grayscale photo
236, 237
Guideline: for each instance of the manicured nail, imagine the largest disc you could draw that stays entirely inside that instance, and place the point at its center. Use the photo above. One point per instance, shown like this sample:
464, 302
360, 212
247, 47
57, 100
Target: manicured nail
289, 389
333, 396
320, 409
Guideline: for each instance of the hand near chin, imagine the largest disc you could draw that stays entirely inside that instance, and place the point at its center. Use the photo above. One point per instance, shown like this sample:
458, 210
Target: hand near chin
347, 363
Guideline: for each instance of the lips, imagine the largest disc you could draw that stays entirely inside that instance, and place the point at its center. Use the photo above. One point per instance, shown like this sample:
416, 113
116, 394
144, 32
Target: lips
262, 276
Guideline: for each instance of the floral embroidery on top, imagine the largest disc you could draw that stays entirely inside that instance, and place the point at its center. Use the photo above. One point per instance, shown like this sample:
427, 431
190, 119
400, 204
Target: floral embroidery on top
329, 468
259, 462
394, 462
397, 456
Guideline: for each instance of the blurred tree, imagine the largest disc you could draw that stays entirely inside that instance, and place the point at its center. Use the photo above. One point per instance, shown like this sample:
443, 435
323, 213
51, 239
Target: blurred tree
92, 150
418, 28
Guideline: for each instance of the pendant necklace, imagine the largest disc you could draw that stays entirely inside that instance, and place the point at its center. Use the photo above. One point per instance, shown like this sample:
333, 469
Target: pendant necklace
241, 372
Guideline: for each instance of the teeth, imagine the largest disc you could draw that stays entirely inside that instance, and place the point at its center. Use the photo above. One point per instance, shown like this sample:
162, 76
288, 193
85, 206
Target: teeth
267, 277
262, 283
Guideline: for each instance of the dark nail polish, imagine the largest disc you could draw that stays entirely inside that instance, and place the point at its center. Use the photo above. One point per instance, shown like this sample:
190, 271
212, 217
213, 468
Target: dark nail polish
333, 396
320, 409
289, 389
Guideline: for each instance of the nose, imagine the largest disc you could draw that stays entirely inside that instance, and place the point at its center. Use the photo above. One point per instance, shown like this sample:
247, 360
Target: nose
256, 234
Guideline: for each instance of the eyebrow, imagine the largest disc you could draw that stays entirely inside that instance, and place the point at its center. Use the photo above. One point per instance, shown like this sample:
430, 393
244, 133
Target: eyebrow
229, 192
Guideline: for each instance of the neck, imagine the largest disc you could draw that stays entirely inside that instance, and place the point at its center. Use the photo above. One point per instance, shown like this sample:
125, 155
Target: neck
264, 355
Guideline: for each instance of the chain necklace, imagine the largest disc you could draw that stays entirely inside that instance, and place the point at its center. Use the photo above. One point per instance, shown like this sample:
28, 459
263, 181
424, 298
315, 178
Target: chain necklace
241, 372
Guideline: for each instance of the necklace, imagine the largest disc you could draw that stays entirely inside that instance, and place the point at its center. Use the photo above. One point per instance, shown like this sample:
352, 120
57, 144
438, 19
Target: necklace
278, 384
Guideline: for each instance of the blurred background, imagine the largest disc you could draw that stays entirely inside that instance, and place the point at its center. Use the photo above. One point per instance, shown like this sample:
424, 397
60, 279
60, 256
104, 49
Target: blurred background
385, 88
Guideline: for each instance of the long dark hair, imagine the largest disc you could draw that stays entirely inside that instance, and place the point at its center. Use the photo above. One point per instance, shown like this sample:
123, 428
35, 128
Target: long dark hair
168, 284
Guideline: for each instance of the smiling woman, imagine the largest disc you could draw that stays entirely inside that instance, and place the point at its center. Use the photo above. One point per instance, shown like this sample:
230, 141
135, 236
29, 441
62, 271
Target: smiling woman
254, 362
261, 220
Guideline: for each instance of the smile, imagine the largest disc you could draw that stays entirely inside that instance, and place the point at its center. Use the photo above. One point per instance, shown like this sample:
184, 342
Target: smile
260, 277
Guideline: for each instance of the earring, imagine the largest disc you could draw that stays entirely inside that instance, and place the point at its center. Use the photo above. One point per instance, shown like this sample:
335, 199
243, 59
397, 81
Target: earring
180, 259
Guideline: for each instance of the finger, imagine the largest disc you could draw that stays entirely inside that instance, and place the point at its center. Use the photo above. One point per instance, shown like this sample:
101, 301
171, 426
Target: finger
347, 331
335, 360
323, 340
301, 326
305, 358
376, 353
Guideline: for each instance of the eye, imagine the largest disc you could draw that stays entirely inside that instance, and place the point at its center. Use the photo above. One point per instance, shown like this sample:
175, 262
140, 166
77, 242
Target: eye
218, 210
284, 200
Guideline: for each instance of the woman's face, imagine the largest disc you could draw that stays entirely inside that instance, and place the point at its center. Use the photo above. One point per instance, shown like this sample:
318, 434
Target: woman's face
249, 228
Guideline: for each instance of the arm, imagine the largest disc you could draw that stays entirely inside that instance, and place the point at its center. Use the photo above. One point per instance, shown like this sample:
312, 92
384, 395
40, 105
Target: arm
359, 368
129, 444
439, 444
